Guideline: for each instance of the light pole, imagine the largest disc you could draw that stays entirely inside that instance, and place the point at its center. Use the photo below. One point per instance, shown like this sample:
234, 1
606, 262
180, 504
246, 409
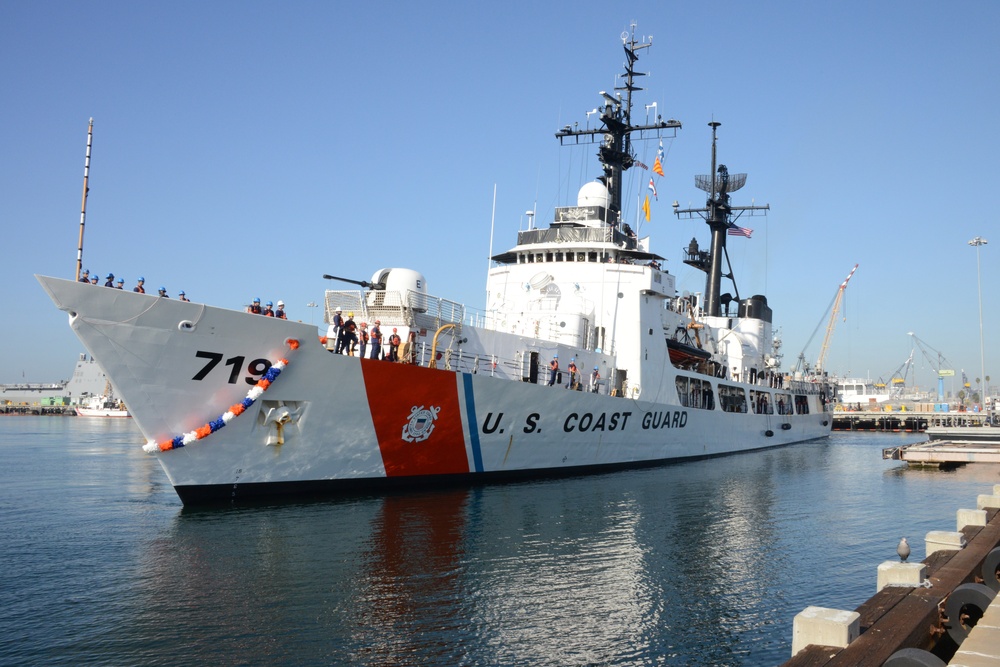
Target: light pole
312, 313
978, 242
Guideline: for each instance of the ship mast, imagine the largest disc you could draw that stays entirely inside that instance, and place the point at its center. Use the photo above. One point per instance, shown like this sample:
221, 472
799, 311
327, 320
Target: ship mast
83, 206
615, 152
720, 216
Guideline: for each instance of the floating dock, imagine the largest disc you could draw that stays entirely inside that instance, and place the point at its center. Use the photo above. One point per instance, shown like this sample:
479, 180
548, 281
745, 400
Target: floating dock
946, 451
942, 609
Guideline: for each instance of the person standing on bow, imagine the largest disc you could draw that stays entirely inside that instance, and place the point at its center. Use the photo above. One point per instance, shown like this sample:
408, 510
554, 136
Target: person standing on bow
84, 277
376, 338
363, 338
280, 312
138, 286
268, 310
183, 297
350, 336
394, 342
254, 308
337, 324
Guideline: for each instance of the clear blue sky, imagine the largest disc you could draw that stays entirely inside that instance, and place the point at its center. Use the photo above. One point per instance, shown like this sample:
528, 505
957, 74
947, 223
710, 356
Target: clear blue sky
243, 149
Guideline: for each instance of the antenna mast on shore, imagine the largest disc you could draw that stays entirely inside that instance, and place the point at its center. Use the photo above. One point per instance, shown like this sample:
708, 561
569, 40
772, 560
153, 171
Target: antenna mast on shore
83, 206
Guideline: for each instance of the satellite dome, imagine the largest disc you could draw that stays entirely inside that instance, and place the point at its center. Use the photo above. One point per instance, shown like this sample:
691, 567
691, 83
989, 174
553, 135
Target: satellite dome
593, 193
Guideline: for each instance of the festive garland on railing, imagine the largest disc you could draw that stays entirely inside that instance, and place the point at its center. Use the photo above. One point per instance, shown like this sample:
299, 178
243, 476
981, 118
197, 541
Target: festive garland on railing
234, 411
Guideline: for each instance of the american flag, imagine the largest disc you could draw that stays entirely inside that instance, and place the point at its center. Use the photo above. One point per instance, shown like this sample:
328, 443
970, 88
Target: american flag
640, 164
735, 230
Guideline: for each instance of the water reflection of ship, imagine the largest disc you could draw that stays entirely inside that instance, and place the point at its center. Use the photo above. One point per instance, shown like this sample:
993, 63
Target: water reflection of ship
560, 572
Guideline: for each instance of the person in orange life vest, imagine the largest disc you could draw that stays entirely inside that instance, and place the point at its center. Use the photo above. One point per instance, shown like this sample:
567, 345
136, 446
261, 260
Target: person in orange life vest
120, 284
595, 379
394, 342
183, 297
254, 307
363, 339
553, 369
268, 310
350, 335
376, 338
280, 312
572, 372
84, 277
138, 286
111, 280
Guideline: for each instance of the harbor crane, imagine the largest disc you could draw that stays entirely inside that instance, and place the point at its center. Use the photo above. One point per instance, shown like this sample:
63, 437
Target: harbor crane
940, 365
833, 309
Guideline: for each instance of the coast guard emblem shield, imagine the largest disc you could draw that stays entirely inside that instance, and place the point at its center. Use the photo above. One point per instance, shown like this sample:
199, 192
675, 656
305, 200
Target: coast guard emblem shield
421, 424
417, 419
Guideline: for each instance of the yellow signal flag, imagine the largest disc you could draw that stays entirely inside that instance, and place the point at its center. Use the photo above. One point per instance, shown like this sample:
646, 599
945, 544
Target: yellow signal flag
645, 208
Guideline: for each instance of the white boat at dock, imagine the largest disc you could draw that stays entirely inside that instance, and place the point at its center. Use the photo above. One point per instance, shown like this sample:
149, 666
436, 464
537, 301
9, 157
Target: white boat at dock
103, 405
236, 405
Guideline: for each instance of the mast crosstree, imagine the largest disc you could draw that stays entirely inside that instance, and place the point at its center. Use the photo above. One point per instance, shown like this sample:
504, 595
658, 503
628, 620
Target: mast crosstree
615, 152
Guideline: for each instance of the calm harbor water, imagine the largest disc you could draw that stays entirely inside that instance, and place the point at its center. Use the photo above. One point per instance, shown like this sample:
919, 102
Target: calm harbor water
703, 563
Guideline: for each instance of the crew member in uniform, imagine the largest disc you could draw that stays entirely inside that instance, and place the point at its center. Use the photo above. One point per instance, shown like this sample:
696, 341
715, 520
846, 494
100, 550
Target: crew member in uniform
363, 339
376, 338
138, 286
394, 341
338, 330
182, 296
120, 284
254, 307
572, 373
83, 276
595, 379
280, 313
268, 310
111, 280
553, 369
349, 337
163, 293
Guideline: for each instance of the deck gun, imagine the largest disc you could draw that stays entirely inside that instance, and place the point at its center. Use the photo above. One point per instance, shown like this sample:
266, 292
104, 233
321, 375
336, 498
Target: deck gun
362, 283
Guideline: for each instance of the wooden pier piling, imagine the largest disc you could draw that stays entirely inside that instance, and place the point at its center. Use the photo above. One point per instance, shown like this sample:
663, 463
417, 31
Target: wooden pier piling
913, 617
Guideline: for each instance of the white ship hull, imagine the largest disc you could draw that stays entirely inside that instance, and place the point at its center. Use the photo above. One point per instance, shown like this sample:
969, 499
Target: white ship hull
350, 419
101, 412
